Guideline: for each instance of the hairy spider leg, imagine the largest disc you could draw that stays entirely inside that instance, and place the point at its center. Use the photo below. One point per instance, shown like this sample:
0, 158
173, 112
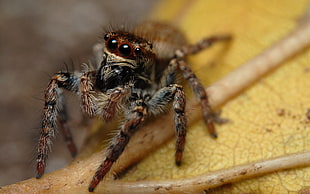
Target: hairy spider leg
87, 90
115, 96
95, 106
180, 122
201, 45
189, 75
54, 109
135, 117
201, 94
158, 103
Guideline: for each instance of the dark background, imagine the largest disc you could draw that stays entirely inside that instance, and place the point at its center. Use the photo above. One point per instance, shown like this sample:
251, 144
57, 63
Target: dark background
36, 39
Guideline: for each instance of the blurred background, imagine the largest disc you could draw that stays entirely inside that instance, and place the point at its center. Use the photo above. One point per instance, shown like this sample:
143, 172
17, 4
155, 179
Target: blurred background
36, 39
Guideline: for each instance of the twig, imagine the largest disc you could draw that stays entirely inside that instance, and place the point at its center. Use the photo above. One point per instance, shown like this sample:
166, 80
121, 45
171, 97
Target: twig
212, 179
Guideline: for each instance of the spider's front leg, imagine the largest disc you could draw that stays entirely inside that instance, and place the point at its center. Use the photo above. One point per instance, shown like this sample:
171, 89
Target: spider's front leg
134, 118
103, 105
87, 90
54, 108
110, 102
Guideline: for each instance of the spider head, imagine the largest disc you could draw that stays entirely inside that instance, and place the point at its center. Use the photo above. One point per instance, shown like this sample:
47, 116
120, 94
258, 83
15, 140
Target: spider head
127, 58
124, 47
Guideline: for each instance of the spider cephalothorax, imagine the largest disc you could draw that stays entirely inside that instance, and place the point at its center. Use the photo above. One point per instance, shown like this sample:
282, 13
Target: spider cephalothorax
126, 58
137, 71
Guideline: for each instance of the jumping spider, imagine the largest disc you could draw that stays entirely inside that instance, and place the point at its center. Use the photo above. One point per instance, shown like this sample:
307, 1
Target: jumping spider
137, 74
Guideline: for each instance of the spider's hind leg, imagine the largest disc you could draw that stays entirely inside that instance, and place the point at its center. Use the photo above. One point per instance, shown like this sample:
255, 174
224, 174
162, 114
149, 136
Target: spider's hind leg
201, 94
178, 62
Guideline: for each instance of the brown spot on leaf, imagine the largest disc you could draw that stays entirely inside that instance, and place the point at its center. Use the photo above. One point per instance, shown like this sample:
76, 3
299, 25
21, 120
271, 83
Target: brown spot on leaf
280, 112
307, 70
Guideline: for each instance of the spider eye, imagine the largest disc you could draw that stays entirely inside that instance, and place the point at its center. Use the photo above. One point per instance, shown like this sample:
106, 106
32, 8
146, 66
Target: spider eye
137, 50
112, 44
106, 36
125, 50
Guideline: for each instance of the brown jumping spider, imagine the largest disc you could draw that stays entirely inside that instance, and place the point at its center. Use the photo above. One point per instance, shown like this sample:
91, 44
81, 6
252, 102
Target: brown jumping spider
137, 75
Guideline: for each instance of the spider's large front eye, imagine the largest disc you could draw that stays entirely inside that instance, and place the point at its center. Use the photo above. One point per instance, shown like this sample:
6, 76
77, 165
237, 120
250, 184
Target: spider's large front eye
125, 50
112, 44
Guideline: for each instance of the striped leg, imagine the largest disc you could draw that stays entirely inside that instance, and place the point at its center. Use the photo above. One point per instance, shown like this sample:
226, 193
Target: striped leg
134, 119
178, 62
159, 102
201, 94
54, 108
199, 46
180, 122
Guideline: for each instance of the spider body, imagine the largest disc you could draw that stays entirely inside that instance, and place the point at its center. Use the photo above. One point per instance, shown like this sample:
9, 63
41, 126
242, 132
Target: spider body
137, 71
